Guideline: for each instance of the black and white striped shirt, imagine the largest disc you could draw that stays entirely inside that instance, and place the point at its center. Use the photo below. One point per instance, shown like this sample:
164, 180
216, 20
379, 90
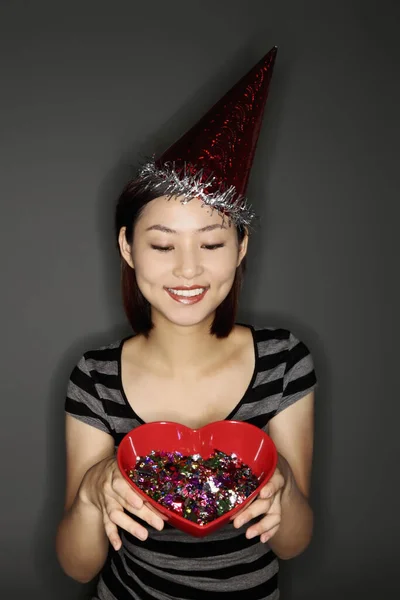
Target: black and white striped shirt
170, 564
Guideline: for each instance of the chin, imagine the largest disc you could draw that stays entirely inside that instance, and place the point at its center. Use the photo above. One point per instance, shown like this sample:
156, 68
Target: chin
188, 317
188, 320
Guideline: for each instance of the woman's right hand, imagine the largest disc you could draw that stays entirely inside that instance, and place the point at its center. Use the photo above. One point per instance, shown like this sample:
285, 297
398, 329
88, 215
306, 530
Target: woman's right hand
104, 487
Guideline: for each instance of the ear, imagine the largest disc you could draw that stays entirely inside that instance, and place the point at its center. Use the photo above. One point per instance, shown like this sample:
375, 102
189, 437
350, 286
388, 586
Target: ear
243, 248
125, 248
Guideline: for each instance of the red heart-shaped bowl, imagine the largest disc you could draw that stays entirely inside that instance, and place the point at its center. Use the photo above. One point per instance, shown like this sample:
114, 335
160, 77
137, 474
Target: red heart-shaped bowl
249, 443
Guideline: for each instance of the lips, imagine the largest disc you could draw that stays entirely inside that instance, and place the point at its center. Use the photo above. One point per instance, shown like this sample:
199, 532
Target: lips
187, 295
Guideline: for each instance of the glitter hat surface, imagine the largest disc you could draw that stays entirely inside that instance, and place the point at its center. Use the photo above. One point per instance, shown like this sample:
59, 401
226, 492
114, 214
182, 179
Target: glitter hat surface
248, 443
213, 159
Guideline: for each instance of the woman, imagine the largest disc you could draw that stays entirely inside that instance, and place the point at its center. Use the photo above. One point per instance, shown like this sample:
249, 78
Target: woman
183, 236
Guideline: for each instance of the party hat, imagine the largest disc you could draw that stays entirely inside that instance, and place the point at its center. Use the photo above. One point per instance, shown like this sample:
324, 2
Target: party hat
212, 160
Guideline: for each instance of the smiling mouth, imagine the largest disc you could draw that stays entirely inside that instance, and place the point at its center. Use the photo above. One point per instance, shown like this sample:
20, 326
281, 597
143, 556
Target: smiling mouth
187, 295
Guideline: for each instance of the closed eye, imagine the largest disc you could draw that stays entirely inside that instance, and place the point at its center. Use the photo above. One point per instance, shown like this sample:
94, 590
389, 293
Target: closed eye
162, 248
212, 246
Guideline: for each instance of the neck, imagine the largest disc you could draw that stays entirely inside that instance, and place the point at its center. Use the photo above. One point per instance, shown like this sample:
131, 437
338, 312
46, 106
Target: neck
181, 348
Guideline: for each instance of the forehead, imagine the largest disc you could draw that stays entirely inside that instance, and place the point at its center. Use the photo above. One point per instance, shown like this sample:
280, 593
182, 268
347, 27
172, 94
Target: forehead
172, 213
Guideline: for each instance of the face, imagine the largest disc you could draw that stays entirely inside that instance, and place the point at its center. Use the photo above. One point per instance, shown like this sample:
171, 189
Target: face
185, 259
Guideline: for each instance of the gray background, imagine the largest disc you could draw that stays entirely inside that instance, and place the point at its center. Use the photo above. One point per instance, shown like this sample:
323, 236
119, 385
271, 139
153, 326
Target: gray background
85, 87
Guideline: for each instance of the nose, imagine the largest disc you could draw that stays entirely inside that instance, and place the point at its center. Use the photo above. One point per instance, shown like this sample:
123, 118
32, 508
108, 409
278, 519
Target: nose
188, 265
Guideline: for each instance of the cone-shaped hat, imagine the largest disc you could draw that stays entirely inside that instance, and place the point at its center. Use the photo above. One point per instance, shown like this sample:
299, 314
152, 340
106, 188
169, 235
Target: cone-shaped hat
213, 160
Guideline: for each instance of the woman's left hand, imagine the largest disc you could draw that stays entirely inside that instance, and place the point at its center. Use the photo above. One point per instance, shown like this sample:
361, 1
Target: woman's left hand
267, 504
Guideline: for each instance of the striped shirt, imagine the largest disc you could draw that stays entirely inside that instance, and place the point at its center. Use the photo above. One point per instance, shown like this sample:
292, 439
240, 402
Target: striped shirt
171, 564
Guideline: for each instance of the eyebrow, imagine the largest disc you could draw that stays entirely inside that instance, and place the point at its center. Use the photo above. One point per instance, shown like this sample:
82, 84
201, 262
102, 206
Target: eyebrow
201, 230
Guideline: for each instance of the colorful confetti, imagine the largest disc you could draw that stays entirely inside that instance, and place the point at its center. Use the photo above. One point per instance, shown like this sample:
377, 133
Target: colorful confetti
197, 489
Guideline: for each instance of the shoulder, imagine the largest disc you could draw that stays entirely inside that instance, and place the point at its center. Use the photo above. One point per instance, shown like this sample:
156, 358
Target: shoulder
282, 349
272, 340
96, 365
102, 359
282, 353
271, 343
93, 380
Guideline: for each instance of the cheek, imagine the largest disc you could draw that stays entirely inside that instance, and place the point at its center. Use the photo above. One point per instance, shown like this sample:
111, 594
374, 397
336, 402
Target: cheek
148, 265
149, 275
224, 268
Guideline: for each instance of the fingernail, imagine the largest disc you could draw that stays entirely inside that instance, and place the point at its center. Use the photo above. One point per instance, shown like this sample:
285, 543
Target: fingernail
159, 524
239, 523
142, 535
251, 534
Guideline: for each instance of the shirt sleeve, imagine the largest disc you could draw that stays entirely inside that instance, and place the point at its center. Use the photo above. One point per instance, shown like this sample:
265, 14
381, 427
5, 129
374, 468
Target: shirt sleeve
299, 377
82, 401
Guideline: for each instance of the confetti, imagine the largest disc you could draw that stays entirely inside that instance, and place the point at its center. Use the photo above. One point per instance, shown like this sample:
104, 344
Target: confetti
200, 490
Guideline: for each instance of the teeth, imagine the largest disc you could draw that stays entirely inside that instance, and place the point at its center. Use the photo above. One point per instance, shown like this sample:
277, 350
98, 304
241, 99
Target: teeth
187, 293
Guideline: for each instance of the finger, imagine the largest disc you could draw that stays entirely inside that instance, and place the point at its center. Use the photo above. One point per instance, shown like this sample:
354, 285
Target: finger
257, 508
121, 519
146, 513
268, 523
273, 486
122, 489
143, 512
111, 532
270, 520
241, 511
267, 536
155, 511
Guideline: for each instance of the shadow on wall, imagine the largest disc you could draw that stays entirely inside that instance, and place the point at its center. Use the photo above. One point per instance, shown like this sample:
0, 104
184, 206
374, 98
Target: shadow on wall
371, 586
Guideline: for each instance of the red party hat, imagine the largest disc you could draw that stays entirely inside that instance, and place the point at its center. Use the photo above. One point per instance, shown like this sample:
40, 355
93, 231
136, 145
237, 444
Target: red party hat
212, 161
